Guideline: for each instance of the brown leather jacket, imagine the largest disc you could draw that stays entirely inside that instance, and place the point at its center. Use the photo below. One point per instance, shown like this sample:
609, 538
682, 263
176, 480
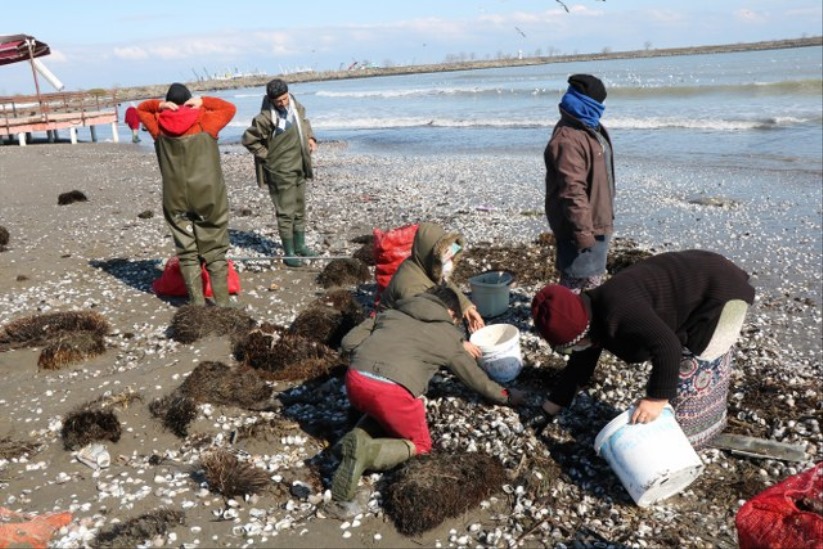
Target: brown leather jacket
579, 192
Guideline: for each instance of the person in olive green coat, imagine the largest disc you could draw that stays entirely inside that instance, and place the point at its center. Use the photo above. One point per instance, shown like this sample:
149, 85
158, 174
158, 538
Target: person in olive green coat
433, 257
282, 142
195, 204
390, 371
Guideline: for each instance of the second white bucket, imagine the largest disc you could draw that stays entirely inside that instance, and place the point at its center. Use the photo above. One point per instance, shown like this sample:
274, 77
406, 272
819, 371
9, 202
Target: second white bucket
490, 292
653, 460
500, 345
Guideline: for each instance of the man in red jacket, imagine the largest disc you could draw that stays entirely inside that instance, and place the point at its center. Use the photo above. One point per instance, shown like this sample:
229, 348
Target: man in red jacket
195, 203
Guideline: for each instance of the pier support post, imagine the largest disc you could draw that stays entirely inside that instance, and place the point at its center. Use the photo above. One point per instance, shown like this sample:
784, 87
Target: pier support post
21, 139
93, 131
114, 135
73, 135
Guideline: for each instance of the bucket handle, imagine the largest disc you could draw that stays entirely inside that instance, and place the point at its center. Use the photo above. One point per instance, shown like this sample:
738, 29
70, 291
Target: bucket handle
510, 273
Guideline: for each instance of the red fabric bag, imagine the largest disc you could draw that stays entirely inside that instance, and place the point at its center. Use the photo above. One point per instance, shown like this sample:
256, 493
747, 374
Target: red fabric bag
390, 249
171, 283
780, 516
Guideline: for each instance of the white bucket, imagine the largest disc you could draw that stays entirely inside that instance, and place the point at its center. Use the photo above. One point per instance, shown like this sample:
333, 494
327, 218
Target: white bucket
653, 460
490, 292
500, 345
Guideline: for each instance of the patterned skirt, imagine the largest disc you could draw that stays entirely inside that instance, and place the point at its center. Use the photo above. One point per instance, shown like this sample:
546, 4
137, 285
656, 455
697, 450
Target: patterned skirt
702, 397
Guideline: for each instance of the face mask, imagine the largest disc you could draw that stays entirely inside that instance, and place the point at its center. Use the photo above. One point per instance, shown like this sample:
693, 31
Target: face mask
448, 268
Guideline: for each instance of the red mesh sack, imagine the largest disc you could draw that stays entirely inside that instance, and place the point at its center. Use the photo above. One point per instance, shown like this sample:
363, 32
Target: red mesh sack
29, 530
171, 283
789, 514
390, 249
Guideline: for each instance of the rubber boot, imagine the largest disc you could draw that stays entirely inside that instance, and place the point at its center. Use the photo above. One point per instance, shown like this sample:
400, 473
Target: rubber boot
288, 248
300, 245
219, 274
367, 424
359, 453
194, 283
391, 452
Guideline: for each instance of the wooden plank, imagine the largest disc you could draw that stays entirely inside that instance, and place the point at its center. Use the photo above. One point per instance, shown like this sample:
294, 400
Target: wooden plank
759, 447
57, 122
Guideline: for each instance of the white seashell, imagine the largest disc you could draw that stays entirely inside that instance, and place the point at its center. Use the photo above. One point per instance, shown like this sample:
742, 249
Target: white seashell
253, 528
95, 456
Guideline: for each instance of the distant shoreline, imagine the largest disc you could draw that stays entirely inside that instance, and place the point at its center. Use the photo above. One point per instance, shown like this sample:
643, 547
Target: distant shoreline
157, 90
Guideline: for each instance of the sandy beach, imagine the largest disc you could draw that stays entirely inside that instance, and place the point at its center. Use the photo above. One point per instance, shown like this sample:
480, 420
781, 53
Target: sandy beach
103, 254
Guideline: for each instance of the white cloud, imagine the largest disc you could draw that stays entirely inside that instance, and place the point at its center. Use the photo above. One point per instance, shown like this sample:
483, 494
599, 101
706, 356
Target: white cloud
749, 16
666, 16
131, 53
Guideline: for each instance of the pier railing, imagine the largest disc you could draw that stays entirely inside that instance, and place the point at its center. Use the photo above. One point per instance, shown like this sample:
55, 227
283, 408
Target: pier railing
21, 115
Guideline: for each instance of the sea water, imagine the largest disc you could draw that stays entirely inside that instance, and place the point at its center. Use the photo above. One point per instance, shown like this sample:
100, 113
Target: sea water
760, 109
757, 109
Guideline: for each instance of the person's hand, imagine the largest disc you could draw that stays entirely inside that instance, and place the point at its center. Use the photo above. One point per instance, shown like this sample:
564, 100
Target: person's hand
473, 319
517, 397
647, 409
551, 408
167, 106
472, 349
312, 145
194, 102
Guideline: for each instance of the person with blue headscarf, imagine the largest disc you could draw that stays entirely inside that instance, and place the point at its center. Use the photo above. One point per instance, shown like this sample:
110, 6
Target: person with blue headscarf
580, 186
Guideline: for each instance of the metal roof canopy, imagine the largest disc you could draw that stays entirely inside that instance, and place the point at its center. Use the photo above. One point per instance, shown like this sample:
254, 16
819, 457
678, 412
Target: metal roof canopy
21, 47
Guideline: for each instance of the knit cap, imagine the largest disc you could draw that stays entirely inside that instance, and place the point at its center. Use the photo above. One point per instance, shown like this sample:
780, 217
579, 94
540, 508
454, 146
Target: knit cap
589, 85
559, 315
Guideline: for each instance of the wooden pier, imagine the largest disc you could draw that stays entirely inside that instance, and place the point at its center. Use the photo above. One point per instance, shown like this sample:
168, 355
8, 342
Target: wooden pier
21, 115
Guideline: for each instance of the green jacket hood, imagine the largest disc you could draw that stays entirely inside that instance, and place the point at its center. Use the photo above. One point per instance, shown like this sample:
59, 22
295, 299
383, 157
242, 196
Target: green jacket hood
430, 242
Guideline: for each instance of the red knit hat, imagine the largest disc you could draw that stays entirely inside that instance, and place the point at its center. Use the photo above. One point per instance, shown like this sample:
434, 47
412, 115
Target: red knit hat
559, 315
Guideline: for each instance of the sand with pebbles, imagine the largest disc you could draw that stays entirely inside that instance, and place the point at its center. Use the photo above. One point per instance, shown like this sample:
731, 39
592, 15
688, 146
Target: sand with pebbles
103, 254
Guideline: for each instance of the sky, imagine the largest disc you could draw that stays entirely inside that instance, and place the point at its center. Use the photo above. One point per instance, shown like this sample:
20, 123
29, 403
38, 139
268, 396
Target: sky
109, 44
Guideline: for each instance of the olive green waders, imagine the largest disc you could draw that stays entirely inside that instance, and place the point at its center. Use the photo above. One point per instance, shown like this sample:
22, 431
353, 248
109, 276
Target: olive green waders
286, 176
196, 209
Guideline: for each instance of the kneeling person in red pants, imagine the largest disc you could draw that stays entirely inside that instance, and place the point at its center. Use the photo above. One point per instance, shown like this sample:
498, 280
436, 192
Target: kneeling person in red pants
390, 371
